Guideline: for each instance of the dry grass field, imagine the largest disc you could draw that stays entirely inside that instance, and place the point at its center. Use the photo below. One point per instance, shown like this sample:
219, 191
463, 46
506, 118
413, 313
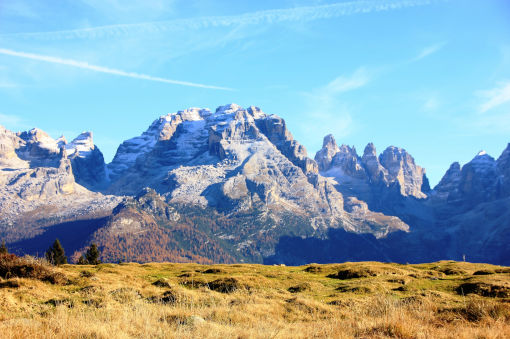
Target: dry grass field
164, 300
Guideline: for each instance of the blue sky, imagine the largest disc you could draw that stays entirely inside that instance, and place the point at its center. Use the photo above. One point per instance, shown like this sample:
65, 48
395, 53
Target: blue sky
430, 76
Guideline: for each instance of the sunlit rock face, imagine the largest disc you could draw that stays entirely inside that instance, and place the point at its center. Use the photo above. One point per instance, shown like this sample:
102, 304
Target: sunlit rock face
233, 160
40, 184
371, 176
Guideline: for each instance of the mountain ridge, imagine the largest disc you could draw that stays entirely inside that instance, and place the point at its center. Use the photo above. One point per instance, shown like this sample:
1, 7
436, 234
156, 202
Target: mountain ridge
243, 167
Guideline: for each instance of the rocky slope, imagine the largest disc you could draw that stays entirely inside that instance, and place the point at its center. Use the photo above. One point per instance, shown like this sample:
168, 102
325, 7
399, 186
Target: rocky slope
236, 160
38, 186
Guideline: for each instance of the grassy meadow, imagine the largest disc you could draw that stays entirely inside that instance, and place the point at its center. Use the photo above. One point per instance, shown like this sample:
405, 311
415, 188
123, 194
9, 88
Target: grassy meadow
164, 300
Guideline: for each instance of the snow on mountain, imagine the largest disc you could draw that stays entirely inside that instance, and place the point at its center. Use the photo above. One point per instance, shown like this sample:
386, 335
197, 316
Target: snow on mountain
233, 160
161, 129
81, 146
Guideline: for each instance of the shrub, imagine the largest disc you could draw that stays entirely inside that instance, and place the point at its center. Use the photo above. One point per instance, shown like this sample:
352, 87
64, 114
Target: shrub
12, 266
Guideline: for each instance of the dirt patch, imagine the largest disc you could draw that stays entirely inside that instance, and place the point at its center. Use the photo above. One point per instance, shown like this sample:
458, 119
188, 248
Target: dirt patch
484, 289
169, 297
97, 303
401, 281
300, 288
192, 283
356, 289
213, 271
87, 274
451, 271
313, 269
484, 272
125, 294
10, 284
61, 302
225, 285
90, 289
354, 273
162, 283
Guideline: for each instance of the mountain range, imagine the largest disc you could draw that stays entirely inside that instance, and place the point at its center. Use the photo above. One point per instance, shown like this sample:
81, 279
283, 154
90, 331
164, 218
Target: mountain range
233, 185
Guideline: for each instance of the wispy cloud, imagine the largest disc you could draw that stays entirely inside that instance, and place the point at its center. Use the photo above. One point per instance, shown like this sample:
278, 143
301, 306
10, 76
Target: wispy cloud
325, 107
302, 14
101, 69
495, 97
431, 104
343, 83
429, 50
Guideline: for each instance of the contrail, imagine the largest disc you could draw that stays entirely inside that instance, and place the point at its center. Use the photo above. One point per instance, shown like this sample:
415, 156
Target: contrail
101, 69
307, 13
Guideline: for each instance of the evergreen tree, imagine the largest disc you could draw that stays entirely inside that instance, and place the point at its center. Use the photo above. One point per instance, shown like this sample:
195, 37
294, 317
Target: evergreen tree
92, 255
82, 261
56, 254
3, 248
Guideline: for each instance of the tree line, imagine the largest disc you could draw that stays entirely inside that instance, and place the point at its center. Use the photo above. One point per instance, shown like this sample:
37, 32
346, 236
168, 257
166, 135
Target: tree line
55, 254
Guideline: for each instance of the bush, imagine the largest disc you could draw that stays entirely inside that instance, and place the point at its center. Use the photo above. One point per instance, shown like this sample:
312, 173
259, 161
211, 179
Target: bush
12, 266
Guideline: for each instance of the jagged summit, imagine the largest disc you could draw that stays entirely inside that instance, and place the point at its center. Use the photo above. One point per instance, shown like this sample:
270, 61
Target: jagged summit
358, 174
81, 146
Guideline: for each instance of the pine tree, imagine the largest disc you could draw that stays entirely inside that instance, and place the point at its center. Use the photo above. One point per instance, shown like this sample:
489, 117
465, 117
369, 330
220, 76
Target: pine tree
3, 248
56, 254
82, 261
92, 255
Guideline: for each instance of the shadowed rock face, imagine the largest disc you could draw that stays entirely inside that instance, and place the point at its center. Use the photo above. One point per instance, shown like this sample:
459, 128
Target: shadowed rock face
87, 161
481, 180
38, 185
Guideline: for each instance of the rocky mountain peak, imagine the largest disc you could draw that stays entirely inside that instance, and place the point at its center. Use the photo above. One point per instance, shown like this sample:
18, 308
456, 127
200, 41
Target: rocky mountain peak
81, 146
357, 174
228, 109
370, 161
326, 154
402, 169
480, 180
87, 162
329, 142
448, 186
369, 150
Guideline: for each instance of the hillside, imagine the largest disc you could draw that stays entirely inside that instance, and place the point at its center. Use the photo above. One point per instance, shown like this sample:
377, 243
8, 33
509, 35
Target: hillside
363, 300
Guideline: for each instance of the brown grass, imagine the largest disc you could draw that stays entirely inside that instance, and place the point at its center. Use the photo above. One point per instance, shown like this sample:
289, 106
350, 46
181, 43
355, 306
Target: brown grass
255, 301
